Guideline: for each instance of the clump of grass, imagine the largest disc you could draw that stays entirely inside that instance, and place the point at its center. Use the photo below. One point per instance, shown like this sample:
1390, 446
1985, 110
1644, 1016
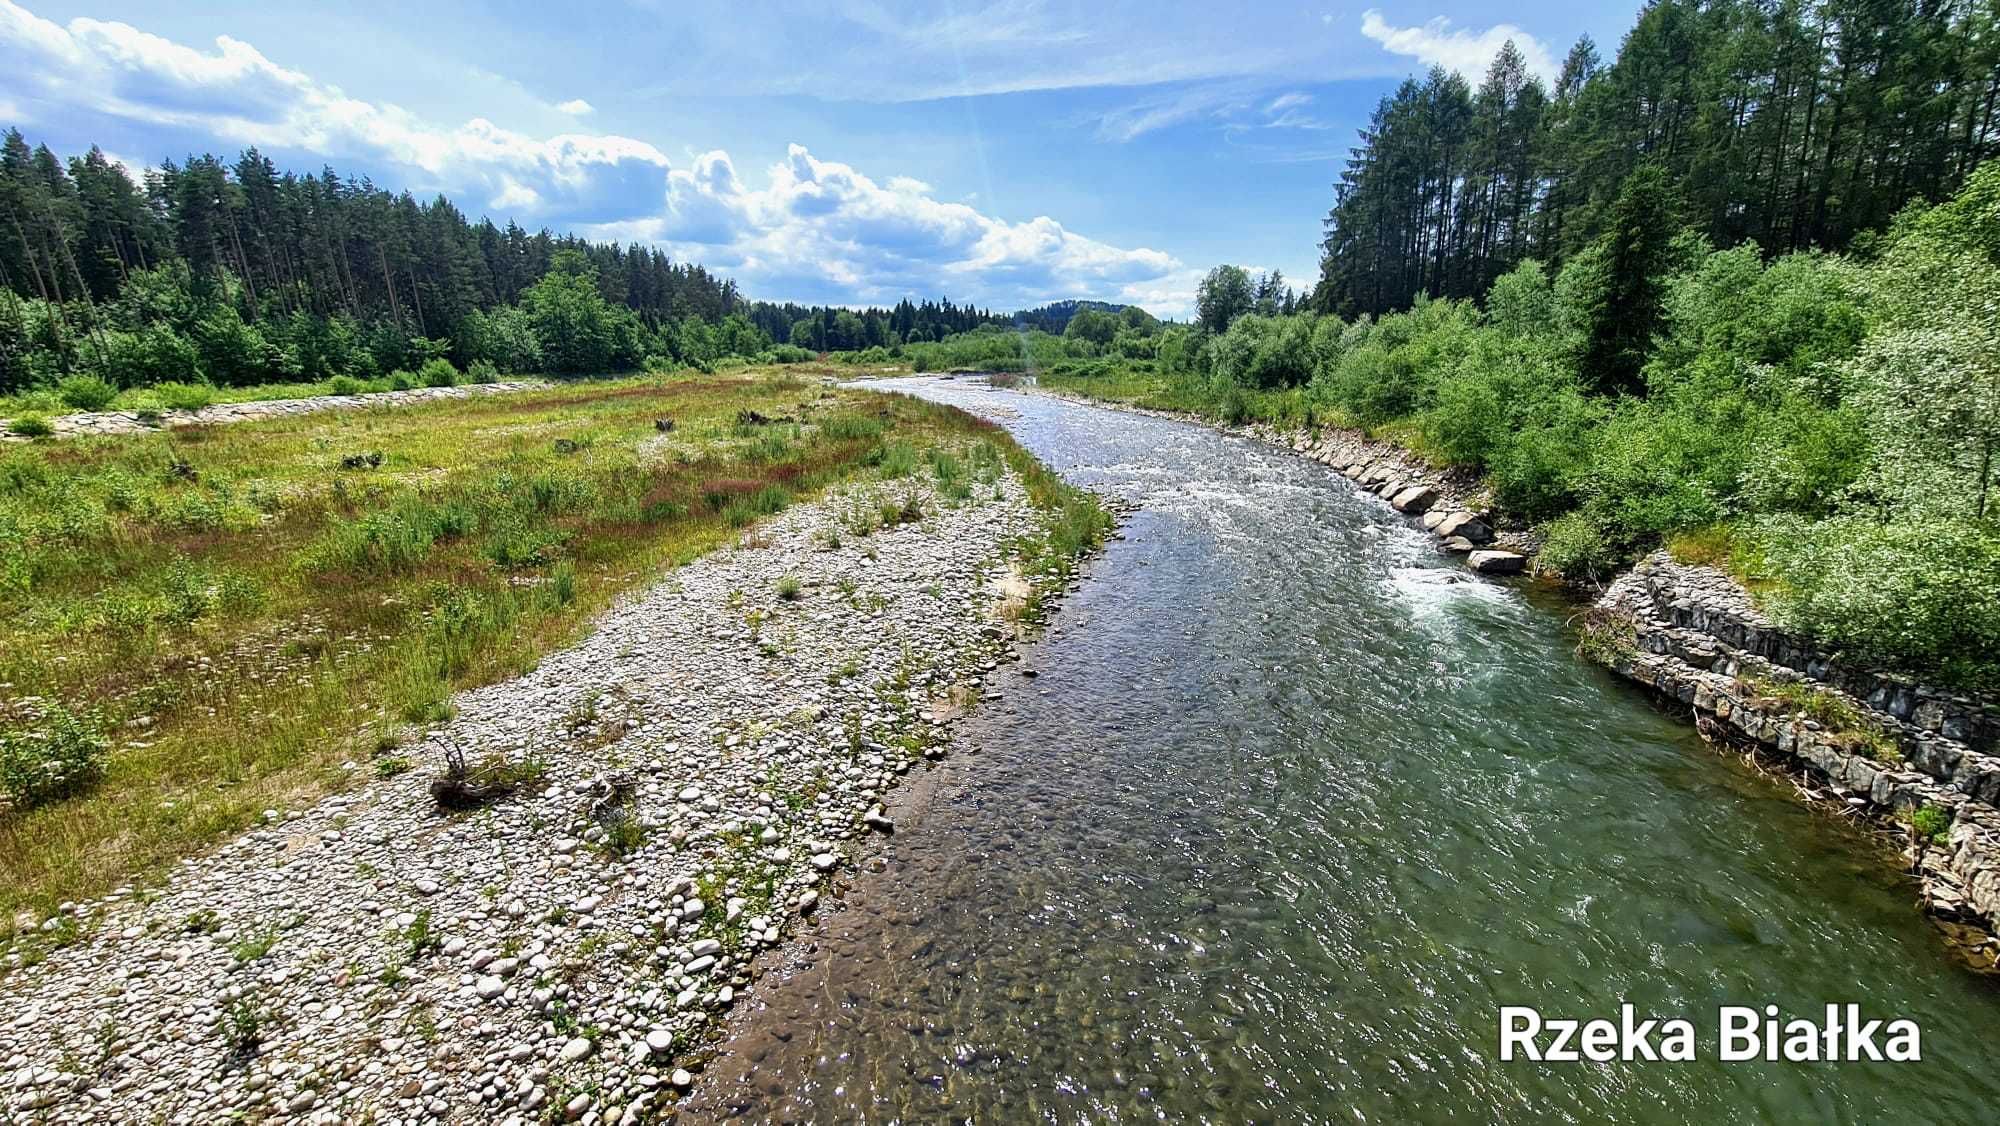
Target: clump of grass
899, 459
1605, 637
253, 946
242, 1027
790, 589
86, 393
623, 836
62, 755
851, 428
419, 940
1931, 823
30, 425
1837, 714
187, 396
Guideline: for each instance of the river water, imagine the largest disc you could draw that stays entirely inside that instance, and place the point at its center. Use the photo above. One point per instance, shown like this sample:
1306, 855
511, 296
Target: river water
1292, 807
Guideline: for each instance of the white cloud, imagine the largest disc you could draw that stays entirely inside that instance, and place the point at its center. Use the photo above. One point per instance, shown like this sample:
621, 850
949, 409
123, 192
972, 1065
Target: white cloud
575, 107
1468, 52
816, 230
238, 96
820, 230
1175, 107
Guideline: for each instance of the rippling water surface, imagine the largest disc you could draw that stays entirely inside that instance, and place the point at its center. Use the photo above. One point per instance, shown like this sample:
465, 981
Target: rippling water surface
1292, 808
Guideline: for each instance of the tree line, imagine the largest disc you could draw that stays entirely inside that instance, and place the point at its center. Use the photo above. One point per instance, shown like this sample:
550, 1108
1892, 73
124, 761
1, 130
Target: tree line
1787, 123
239, 273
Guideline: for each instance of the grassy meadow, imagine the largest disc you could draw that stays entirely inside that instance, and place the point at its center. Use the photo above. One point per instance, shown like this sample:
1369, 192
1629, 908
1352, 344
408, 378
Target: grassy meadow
244, 617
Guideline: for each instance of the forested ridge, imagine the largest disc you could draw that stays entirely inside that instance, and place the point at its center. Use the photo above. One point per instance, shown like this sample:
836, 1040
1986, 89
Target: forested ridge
238, 273
1789, 123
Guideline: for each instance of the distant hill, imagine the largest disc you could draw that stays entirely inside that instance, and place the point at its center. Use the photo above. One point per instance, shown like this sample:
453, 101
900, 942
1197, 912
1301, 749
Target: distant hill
1054, 316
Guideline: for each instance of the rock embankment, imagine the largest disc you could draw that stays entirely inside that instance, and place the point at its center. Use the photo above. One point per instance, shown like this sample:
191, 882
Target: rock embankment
1883, 744
696, 772
1450, 506
133, 422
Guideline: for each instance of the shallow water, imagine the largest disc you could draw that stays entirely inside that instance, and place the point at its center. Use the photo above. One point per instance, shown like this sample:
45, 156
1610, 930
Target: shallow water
1291, 809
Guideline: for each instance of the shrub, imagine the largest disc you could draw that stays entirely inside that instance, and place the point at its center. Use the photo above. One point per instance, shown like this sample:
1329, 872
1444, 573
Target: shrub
184, 396
345, 385
400, 380
1577, 548
482, 371
438, 373
64, 756
1922, 592
30, 426
86, 392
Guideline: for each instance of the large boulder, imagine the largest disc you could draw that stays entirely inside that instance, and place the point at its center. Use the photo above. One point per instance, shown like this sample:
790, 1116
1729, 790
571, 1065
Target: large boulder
1497, 562
1414, 499
1467, 525
1433, 518
1459, 545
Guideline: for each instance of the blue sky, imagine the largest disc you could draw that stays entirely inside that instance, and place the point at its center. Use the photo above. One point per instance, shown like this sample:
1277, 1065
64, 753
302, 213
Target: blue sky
1008, 153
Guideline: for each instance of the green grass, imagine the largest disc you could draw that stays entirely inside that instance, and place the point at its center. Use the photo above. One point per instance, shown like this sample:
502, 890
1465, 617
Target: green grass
1836, 713
247, 616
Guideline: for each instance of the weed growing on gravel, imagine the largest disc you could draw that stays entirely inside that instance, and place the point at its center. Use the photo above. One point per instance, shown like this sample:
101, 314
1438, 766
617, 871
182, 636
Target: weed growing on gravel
419, 940
254, 945
242, 1027
790, 589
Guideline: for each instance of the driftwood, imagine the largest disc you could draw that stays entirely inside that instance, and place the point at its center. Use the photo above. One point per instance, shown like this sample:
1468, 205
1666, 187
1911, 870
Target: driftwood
462, 787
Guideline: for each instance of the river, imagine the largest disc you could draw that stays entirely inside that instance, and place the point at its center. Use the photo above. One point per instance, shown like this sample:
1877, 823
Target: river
1290, 809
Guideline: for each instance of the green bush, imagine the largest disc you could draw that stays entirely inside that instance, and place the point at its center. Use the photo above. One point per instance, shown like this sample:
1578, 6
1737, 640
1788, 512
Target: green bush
482, 371
184, 396
1576, 548
345, 385
438, 373
30, 425
400, 380
1919, 592
86, 392
63, 755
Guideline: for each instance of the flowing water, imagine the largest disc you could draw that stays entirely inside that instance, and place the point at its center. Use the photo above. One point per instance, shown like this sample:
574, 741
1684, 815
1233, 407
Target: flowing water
1291, 809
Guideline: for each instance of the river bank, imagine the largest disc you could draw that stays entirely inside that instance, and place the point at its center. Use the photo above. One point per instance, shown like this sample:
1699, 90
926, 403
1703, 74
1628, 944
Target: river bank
689, 776
1919, 762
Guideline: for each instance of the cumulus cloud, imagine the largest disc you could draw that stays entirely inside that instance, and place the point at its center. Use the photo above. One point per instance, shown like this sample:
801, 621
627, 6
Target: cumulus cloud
816, 230
1468, 52
821, 230
575, 107
238, 96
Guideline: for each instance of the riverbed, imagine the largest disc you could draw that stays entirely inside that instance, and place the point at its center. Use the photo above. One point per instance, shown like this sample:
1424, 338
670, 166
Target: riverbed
1289, 809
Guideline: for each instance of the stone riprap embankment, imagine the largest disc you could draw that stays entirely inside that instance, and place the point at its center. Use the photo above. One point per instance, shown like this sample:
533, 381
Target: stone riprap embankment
1450, 506
133, 422
1882, 743
708, 759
